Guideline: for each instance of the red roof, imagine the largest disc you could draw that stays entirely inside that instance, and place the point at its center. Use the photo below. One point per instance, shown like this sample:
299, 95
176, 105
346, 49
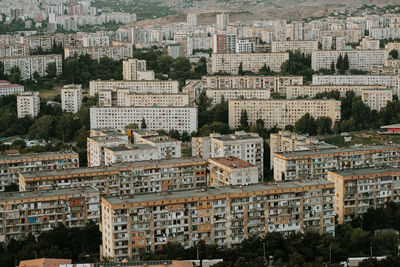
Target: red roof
232, 162
10, 85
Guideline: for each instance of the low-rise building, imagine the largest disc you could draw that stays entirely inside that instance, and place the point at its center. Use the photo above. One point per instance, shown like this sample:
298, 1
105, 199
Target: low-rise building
228, 171
282, 112
223, 216
127, 178
358, 190
303, 165
71, 98
231, 94
246, 146
10, 89
28, 104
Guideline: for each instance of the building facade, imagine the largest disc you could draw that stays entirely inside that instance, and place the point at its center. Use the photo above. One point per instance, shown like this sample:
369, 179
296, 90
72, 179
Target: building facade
157, 87
231, 94
28, 104
71, 98
131, 67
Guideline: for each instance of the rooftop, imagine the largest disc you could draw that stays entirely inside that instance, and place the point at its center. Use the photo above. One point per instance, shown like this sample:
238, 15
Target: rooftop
364, 171
232, 162
236, 136
38, 155
7, 196
130, 147
215, 191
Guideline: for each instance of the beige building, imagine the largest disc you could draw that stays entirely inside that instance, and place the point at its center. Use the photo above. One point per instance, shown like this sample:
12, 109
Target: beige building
285, 141
376, 99
358, 190
127, 178
193, 88
393, 46
277, 84
281, 112
161, 100
358, 59
231, 94
34, 212
28, 104
228, 171
368, 43
304, 165
131, 67
156, 87
146, 75
129, 153
12, 165
115, 52
224, 216
246, 146
71, 98
305, 47
168, 147
253, 62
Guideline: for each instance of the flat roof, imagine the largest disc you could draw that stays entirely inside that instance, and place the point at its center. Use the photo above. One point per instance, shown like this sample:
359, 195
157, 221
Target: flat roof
230, 137
233, 162
336, 150
130, 147
391, 126
215, 191
364, 171
38, 155
116, 167
6, 196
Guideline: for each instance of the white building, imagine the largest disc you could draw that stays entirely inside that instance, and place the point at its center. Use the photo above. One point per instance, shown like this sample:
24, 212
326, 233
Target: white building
156, 86
222, 21
244, 46
131, 67
145, 75
28, 104
191, 19
182, 119
167, 147
305, 47
9, 89
130, 153
230, 94
71, 98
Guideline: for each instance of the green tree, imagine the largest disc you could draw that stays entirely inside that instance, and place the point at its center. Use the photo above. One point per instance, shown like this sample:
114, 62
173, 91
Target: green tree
143, 124
2, 71
324, 125
340, 64
240, 71
394, 54
346, 63
244, 120
333, 69
51, 70
41, 128
15, 75
306, 124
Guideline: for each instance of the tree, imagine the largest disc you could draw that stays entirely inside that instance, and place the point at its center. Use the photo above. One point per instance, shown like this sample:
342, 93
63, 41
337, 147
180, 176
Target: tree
333, 69
346, 63
2, 71
240, 71
306, 124
244, 120
324, 125
394, 54
132, 126
15, 75
41, 128
339, 64
143, 124
51, 70
266, 70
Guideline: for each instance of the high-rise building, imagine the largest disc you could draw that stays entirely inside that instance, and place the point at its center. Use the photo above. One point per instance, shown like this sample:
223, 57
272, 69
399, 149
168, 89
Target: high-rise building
223, 43
71, 98
191, 19
131, 67
222, 21
28, 104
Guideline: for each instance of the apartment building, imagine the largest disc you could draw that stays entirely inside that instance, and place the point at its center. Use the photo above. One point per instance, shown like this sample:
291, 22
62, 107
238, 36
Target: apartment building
96, 144
130, 153
22, 213
14, 50
161, 100
167, 146
182, 119
28, 104
146, 75
368, 43
244, 46
358, 190
376, 97
305, 47
285, 141
129, 178
131, 67
358, 59
222, 21
71, 98
31, 64
386, 70
156, 87
362, 80
229, 63
193, 88
245, 146
10, 89
303, 165
12, 165
282, 112
277, 84
115, 52
224, 216
393, 46
227, 171
95, 41
223, 43
231, 94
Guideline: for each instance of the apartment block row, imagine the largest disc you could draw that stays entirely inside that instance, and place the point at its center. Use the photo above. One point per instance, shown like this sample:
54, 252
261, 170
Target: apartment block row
31, 64
10, 89
281, 112
276, 84
32, 212
156, 86
12, 165
304, 165
223, 216
232, 94
230, 63
376, 97
115, 52
305, 47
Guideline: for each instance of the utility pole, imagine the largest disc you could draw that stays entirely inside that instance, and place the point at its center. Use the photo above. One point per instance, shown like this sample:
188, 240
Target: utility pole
330, 253
265, 259
370, 250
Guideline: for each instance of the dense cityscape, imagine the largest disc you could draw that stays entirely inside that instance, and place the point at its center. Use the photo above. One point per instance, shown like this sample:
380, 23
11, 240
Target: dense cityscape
189, 133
